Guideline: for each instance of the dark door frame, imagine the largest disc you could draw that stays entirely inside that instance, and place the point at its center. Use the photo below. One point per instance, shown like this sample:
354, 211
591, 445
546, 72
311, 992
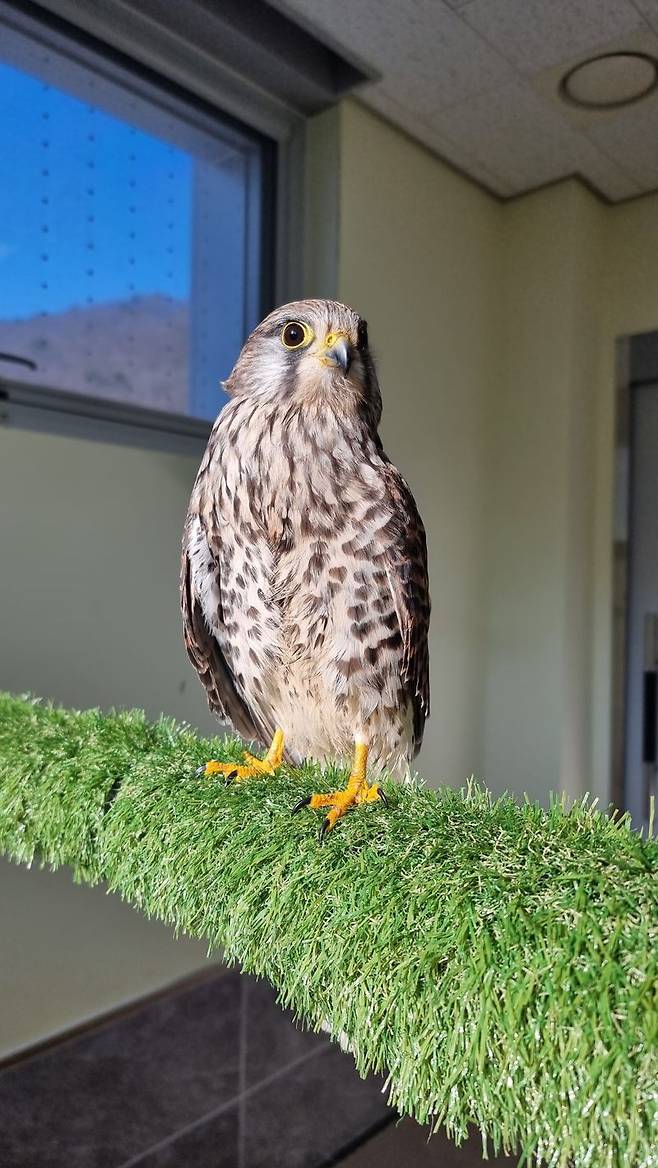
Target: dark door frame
636, 366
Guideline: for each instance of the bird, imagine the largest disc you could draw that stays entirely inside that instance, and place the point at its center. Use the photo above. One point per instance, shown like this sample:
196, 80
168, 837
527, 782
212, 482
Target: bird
304, 583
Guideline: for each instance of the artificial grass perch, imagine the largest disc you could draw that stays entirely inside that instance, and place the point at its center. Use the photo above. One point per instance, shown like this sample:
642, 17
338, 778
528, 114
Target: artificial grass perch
498, 961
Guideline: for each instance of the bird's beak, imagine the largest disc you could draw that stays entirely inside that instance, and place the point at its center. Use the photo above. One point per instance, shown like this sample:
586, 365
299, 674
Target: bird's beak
338, 352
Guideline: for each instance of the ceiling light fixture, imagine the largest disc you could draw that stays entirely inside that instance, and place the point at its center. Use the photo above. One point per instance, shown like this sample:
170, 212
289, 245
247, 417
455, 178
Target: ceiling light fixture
610, 81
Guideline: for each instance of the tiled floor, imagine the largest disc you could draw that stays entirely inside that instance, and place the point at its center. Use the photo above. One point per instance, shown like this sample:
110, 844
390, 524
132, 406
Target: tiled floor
405, 1145
211, 1075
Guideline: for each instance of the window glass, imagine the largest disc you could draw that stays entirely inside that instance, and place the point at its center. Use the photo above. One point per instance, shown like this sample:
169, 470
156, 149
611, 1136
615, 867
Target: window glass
129, 234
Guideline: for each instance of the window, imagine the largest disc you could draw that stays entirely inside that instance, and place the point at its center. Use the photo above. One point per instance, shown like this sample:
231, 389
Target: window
131, 229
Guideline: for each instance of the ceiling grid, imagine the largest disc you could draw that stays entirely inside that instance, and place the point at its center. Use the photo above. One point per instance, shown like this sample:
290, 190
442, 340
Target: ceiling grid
477, 81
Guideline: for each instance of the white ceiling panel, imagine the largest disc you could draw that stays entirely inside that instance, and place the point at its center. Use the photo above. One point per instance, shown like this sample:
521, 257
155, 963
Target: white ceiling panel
417, 127
442, 58
514, 133
602, 172
649, 10
477, 81
534, 34
633, 132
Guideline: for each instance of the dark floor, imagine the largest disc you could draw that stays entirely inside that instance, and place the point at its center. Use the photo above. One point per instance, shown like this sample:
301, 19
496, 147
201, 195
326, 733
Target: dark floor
405, 1145
209, 1074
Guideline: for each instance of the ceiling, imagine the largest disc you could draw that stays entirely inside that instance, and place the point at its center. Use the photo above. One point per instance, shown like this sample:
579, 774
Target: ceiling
476, 81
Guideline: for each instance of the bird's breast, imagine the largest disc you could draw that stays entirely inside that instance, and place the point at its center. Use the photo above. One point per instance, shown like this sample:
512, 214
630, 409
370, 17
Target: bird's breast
310, 490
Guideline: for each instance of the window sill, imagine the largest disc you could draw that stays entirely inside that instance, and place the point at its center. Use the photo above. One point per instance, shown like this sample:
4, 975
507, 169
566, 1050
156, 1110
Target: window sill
35, 407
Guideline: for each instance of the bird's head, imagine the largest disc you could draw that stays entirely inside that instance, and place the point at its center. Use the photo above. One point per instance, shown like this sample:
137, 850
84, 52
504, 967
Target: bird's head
314, 352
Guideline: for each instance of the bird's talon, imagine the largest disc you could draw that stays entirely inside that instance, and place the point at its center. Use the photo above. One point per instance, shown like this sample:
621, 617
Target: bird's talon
302, 803
382, 796
252, 766
326, 825
200, 771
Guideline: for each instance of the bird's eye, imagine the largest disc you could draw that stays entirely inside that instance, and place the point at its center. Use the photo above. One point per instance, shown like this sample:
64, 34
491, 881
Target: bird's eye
295, 335
362, 336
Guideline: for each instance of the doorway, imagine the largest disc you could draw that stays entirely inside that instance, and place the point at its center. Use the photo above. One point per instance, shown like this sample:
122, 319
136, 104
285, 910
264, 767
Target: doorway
635, 706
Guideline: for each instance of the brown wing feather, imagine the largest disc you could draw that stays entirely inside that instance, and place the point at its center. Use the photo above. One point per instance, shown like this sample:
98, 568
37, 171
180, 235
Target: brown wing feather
406, 566
203, 649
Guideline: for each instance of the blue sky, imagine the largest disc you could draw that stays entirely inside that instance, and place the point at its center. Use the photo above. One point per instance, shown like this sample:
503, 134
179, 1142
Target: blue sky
91, 208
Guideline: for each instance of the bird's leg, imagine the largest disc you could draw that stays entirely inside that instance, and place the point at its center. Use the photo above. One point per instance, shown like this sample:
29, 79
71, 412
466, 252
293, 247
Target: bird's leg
358, 790
252, 765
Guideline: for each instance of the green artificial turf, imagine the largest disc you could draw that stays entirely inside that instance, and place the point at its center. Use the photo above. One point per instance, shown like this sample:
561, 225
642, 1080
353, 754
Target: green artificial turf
497, 961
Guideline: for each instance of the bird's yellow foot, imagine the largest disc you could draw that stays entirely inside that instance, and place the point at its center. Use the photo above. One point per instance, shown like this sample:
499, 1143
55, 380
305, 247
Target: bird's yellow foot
252, 766
358, 790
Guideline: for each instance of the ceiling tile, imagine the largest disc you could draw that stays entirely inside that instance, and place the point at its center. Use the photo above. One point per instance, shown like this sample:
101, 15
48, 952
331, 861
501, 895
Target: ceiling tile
604, 173
649, 9
547, 82
477, 82
421, 46
534, 34
631, 136
386, 105
513, 132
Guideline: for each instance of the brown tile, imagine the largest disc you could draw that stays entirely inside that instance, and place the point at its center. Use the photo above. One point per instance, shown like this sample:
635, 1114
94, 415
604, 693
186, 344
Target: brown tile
406, 1145
305, 1117
273, 1038
310, 1115
213, 1143
99, 1099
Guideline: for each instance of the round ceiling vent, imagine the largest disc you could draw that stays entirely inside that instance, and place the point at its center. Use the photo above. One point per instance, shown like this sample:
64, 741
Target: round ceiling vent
610, 81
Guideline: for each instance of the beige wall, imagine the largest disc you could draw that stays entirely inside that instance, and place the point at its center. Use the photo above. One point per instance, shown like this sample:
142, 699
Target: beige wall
577, 277
89, 584
540, 494
71, 952
628, 303
495, 326
89, 601
418, 256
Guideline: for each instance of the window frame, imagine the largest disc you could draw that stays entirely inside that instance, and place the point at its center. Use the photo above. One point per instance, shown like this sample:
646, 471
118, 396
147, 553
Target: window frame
40, 407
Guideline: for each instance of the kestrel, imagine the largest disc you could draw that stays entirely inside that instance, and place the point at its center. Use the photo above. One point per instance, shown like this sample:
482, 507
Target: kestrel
304, 584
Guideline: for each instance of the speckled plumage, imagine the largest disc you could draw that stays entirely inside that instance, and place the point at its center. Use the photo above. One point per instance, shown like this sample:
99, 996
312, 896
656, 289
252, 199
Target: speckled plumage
304, 572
